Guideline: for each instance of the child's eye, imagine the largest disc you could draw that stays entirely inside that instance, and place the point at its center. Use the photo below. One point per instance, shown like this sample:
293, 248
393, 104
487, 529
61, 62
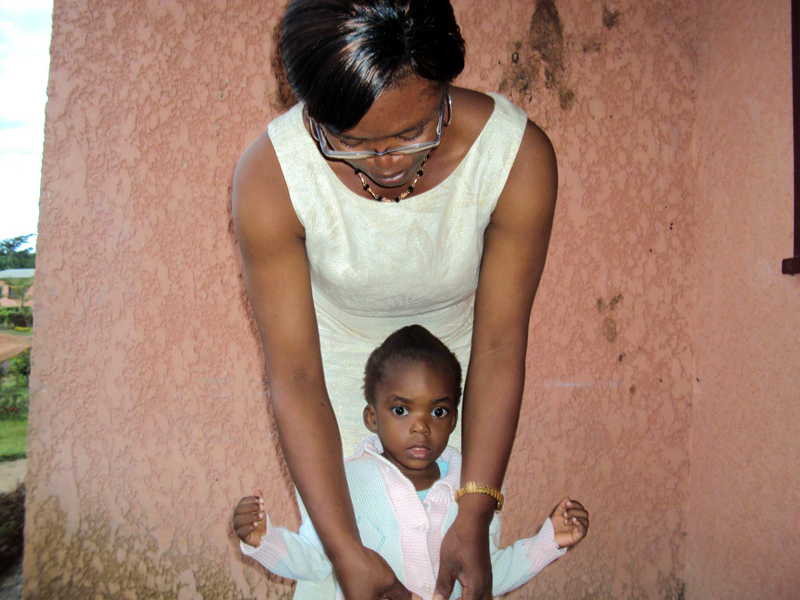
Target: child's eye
439, 412
400, 410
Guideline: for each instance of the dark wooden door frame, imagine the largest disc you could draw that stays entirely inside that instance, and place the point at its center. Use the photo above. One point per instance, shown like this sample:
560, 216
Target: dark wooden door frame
791, 266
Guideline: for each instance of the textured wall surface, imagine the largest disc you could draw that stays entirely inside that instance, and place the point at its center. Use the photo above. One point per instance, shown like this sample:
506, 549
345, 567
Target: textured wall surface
744, 507
607, 399
150, 416
148, 419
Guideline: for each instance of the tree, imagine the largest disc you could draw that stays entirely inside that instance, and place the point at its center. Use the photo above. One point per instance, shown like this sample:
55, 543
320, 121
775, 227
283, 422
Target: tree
18, 288
11, 257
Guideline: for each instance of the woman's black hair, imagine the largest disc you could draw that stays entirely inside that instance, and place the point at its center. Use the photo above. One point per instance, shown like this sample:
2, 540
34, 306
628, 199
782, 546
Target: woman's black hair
341, 54
416, 344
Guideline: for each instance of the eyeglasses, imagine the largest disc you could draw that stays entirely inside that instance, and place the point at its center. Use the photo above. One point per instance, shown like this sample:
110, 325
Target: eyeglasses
325, 146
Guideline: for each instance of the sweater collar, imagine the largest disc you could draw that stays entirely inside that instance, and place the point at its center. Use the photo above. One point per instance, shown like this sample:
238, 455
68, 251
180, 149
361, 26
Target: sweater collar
444, 488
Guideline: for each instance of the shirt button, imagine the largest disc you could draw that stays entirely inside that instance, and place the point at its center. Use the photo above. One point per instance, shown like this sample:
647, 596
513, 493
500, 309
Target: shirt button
422, 527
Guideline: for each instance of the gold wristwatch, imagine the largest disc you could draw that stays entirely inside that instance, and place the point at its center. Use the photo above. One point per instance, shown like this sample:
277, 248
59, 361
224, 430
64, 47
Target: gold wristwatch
472, 487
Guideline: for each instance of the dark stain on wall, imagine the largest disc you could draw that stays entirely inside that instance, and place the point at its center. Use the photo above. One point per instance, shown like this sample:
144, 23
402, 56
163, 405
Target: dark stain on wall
99, 561
541, 55
671, 587
593, 44
610, 16
546, 36
521, 76
610, 329
284, 98
612, 305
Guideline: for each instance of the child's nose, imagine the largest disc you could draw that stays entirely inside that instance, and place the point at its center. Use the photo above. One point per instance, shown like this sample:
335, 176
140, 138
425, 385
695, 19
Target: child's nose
420, 426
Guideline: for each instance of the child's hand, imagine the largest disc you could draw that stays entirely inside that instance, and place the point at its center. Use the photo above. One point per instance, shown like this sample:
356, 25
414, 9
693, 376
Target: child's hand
248, 519
570, 523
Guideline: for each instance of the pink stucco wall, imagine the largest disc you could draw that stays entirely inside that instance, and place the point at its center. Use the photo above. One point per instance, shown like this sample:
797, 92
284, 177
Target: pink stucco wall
150, 416
606, 415
744, 503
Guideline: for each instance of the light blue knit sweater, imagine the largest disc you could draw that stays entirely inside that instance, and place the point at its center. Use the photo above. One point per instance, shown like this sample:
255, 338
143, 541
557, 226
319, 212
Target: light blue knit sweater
406, 531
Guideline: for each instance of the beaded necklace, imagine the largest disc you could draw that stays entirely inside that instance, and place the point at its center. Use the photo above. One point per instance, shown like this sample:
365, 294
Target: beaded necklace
402, 196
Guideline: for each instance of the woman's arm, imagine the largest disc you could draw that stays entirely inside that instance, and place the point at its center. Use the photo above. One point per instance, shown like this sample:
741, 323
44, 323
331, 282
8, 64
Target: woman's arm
276, 272
515, 248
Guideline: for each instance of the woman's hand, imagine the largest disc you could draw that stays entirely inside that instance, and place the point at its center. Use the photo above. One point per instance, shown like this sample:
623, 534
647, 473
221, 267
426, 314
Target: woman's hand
570, 523
365, 575
249, 520
465, 556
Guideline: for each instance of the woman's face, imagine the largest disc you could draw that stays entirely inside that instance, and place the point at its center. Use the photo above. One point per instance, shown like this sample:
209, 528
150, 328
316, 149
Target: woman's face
407, 113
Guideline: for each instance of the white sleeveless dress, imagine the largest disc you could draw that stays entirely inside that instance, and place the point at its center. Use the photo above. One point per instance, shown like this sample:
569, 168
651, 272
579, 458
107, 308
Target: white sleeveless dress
377, 267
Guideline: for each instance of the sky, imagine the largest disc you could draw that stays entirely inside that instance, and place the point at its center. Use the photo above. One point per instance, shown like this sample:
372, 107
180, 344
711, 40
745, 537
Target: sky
24, 65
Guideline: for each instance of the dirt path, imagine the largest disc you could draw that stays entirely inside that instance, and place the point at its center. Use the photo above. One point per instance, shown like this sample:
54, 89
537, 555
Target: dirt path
11, 345
12, 473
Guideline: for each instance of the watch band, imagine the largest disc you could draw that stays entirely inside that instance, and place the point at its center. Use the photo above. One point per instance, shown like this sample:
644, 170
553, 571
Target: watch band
473, 487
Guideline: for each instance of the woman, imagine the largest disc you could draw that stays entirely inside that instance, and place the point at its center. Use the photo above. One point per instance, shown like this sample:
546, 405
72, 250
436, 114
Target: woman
390, 197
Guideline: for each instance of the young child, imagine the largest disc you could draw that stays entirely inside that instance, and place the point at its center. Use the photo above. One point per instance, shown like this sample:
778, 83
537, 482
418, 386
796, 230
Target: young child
403, 482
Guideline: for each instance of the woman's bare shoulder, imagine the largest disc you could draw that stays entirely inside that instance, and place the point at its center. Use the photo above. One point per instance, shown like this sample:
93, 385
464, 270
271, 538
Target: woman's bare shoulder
261, 198
536, 148
478, 107
470, 112
474, 109
257, 168
532, 185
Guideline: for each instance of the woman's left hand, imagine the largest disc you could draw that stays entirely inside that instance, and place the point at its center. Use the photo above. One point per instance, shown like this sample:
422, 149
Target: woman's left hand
465, 557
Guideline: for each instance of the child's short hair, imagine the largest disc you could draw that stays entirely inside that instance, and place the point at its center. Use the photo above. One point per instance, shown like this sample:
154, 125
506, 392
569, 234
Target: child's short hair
412, 343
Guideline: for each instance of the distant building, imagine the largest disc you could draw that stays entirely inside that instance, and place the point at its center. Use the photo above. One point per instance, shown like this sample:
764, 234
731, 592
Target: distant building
10, 296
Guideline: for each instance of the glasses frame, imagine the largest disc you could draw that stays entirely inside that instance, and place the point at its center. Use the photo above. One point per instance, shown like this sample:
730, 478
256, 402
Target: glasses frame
318, 133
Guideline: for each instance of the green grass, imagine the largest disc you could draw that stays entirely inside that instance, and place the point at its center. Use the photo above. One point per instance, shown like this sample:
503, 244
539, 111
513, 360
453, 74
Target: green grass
12, 331
13, 440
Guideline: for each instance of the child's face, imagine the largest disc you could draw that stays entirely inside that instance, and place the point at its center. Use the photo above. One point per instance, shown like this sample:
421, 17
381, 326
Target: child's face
414, 415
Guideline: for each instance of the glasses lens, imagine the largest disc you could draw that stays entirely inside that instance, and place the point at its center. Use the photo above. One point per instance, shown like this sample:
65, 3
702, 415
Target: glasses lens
329, 151
415, 149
